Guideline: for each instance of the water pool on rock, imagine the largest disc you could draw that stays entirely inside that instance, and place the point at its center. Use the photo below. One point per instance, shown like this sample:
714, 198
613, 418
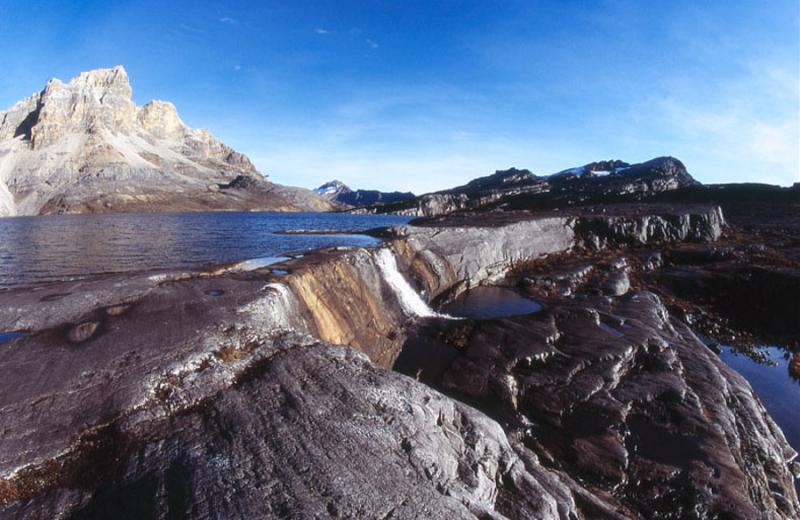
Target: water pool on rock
488, 302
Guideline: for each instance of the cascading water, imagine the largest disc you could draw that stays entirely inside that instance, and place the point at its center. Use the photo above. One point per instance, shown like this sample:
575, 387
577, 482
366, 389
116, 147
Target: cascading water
410, 301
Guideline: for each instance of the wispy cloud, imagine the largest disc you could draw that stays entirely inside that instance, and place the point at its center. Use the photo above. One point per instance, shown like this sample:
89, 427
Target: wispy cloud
190, 30
321, 30
751, 137
411, 134
229, 20
372, 43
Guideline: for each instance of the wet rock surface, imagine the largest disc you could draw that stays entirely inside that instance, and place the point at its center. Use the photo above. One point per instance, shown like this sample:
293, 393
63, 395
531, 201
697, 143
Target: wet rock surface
219, 394
631, 404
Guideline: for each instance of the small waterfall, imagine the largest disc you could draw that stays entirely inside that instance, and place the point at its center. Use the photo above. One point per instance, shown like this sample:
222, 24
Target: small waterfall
410, 301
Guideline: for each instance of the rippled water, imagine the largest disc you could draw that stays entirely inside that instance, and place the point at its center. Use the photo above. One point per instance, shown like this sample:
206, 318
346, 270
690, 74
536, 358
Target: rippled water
36, 250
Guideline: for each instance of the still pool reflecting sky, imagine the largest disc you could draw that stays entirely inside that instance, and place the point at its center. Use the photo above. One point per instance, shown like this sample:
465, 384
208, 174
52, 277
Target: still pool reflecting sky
774, 385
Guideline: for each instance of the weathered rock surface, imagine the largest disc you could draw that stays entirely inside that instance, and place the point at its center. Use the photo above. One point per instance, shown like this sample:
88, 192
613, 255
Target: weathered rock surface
598, 182
210, 395
308, 431
452, 254
84, 146
189, 397
631, 404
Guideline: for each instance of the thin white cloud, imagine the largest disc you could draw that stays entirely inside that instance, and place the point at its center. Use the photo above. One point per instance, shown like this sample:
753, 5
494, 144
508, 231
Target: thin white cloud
736, 136
229, 20
320, 30
372, 43
776, 143
190, 29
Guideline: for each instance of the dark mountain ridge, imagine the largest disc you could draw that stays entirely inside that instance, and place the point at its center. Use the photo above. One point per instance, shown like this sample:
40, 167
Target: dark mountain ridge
592, 183
338, 192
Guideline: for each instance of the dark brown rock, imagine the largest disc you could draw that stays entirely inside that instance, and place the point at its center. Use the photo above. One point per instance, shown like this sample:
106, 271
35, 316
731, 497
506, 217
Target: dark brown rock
630, 402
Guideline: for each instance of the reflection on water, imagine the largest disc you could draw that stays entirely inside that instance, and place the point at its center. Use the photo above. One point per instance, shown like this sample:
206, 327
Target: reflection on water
8, 336
774, 385
41, 249
483, 303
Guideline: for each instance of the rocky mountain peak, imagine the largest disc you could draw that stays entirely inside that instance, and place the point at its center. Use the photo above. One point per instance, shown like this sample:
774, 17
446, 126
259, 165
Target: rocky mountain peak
502, 179
105, 81
605, 166
84, 145
89, 103
332, 188
160, 118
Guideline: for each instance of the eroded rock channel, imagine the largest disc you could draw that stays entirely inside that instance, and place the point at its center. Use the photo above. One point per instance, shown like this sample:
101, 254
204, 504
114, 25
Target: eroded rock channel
268, 393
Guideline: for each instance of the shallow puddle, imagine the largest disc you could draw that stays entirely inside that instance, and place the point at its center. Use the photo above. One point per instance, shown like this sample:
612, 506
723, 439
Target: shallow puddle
8, 336
774, 385
483, 303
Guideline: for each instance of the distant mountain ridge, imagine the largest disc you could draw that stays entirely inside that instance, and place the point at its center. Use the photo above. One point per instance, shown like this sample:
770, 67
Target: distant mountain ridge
595, 182
85, 146
339, 192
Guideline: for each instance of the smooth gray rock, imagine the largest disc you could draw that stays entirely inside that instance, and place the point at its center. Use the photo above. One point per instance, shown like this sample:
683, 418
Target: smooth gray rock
308, 430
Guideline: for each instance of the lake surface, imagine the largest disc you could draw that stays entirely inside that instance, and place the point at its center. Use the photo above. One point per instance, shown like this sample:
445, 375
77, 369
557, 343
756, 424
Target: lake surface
35, 250
774, 385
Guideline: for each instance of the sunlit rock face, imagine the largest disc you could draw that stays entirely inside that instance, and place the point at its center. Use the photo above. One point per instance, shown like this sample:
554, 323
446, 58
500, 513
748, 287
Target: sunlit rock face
85, 146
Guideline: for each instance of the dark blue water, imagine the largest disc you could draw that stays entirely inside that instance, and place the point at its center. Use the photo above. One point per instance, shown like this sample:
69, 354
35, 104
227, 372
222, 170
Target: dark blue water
8, 336
774, 385
35, 250
484, 303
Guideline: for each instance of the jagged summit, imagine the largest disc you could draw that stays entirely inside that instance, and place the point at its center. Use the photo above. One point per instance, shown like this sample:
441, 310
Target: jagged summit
332, 188
338, 192
85, 146
502, 179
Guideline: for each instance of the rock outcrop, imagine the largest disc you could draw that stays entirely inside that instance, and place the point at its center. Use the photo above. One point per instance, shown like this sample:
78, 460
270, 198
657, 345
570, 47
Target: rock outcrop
218, 394
85, 146
450, 255
339, 192
310, 430
594, 183
625, 399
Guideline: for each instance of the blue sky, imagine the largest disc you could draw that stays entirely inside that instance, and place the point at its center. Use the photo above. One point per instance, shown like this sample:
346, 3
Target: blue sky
424, 95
